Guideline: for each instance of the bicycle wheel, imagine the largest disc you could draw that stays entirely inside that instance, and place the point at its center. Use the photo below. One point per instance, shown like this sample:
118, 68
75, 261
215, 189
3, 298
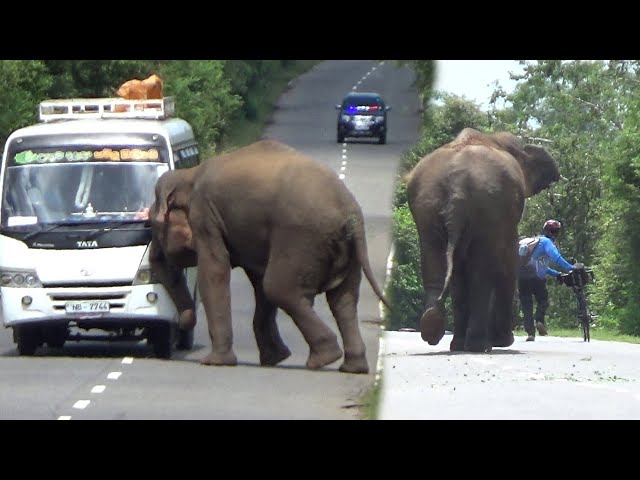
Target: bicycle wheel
583, 315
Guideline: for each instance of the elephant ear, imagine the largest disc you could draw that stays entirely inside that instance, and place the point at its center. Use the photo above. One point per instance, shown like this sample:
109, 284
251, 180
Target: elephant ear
540, 169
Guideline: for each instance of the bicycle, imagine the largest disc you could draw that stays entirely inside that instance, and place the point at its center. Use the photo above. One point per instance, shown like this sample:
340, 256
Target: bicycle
577, 279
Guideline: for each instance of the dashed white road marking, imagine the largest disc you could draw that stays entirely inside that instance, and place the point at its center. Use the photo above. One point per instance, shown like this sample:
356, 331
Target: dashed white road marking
81, 404
507, 367
344, 162
64, 417
114, 375
344, 156
622, 390
341, 176
127, 360
354, 87
98, 389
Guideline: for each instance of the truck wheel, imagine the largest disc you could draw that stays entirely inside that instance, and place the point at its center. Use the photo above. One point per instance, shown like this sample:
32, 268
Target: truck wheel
28, 339
185, 339
161, 339
55, 336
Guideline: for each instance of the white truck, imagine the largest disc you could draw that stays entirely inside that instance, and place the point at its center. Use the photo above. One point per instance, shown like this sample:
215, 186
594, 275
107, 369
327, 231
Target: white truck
74, 239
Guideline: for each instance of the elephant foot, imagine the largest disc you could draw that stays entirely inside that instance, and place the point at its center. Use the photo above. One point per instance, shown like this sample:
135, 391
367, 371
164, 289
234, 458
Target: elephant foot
432, 326
503, 341
273, 357
477, 346
187, 320
353, 364
457, 344
222, 359
319, 358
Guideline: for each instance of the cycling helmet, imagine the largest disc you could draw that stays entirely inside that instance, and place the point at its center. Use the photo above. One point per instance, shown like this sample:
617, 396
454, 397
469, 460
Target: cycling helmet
552, 226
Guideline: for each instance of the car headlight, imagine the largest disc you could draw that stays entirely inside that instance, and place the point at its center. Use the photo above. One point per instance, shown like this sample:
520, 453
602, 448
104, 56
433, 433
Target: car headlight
379, 119
345, 118
145, 276
19, 278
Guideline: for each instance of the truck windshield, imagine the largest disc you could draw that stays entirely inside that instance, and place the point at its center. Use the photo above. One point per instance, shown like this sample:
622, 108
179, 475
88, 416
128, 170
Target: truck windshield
79, 184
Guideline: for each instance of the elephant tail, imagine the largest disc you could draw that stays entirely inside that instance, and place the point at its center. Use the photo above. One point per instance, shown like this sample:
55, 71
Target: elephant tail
432, 323
447, 279
362, 255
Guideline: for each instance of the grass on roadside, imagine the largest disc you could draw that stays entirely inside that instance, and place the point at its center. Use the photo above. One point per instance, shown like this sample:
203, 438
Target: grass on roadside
594, 333
370, 401
245, 131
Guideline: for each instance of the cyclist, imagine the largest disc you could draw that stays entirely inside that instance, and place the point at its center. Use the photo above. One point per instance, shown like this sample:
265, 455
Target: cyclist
532, 279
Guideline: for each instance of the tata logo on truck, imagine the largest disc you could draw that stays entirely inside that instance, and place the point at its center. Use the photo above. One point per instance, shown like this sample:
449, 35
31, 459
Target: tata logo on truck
87, 244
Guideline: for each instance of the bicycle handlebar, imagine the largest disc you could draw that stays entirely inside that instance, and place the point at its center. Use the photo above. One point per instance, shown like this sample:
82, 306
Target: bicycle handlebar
577, 278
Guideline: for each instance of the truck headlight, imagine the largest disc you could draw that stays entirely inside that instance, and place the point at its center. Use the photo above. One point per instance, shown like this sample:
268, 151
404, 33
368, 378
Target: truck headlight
19, 278
144, 277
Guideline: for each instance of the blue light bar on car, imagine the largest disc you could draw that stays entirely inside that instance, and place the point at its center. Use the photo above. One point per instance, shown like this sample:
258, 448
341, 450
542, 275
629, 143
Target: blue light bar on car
361, 108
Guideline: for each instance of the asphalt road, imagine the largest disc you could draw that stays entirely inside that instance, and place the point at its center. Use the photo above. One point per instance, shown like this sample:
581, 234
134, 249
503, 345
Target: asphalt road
92, 380
553, 378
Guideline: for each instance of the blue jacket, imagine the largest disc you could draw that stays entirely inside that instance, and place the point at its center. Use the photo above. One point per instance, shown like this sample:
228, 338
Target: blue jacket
545, 252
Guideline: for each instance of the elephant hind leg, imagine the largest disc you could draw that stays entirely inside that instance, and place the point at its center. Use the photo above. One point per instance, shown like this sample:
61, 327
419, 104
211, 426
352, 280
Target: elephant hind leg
282, 289
343, 301
270, 345
460, 307
432, 325
434, 270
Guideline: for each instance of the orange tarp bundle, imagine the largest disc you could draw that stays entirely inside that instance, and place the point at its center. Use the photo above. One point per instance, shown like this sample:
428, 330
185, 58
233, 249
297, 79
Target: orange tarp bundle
147, 89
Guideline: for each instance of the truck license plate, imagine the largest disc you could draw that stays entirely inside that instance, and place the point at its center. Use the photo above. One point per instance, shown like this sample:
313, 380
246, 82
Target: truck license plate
87, 307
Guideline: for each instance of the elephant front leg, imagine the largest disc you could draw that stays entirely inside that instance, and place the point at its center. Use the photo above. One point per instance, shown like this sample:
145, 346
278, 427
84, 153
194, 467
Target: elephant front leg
343, 302
270, 345
501, 326
214, 276
480, 298
175, 282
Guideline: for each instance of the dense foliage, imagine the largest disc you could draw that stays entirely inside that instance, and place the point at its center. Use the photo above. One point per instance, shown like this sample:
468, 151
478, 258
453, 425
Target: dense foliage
212, 95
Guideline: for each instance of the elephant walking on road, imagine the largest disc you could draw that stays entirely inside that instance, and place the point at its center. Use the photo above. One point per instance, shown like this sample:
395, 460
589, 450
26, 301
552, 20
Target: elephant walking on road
294, 228
467, 198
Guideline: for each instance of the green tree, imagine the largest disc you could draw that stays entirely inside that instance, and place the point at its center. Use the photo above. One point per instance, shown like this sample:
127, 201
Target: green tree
23, 84
203, 97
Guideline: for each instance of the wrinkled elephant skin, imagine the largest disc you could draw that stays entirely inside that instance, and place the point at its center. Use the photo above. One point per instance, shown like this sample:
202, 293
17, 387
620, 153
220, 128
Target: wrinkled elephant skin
294, 228
467, 198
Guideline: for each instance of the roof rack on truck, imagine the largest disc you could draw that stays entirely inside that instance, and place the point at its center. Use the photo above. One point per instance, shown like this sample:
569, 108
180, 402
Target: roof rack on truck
77, 108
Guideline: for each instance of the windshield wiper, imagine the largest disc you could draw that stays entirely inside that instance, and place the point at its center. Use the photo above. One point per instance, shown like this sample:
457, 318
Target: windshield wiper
50, 228
111, 226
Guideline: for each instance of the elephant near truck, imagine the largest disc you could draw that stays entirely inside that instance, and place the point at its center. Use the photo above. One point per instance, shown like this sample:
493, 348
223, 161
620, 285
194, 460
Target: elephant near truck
291, 224
467, 198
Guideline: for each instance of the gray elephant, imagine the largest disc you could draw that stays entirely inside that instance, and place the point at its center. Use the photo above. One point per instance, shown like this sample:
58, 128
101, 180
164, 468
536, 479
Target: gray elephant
467, 198
294, 228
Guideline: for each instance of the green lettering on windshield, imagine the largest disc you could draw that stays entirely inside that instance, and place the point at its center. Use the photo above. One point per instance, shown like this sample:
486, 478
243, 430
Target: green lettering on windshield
26, 157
